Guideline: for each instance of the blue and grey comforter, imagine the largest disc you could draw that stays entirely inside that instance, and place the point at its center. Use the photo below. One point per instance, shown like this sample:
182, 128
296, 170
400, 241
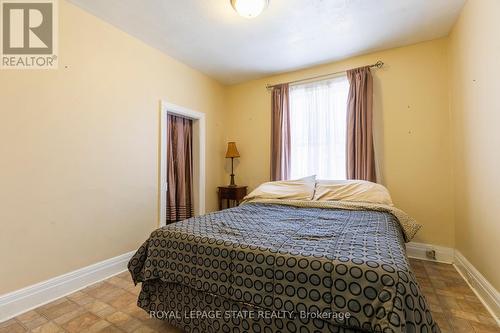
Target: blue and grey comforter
300, 261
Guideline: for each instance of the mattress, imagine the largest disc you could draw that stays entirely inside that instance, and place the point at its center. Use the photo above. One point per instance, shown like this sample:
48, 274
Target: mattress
346, 268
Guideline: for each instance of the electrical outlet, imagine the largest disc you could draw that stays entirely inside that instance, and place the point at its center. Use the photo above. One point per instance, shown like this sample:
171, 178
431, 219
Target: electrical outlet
431, 254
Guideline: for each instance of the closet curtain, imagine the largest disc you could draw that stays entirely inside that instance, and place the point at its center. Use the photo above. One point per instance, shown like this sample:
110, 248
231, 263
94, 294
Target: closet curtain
360, 153
179, 168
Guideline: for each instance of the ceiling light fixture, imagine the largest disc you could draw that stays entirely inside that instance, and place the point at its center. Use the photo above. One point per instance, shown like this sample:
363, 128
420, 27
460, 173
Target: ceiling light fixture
249, 8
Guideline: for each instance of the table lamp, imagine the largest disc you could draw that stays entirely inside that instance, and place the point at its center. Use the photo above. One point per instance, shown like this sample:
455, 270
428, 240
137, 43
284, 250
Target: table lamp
231, 153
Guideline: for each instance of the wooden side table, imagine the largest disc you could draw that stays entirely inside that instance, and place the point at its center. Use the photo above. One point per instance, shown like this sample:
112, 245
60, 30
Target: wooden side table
232, 194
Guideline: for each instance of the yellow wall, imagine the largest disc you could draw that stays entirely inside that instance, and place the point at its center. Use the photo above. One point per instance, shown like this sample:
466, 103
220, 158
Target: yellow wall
79, 149
475, 109
412, 122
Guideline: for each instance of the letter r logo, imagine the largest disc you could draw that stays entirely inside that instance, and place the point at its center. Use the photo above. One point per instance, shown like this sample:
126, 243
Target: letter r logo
27, 27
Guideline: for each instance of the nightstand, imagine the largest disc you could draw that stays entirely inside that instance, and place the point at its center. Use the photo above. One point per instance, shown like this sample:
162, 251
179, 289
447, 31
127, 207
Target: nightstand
231, 194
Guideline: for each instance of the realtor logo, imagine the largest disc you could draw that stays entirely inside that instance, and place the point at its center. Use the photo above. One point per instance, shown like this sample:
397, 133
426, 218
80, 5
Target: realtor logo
29, 34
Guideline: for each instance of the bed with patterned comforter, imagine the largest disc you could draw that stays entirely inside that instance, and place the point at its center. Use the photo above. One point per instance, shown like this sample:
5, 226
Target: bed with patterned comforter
267, 267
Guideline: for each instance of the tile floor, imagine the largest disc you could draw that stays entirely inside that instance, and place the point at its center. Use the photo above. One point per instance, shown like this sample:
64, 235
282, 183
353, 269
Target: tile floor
453, 304
110, 306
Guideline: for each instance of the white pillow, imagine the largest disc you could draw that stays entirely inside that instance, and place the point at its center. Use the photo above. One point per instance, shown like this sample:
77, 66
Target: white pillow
352, 190
300, 189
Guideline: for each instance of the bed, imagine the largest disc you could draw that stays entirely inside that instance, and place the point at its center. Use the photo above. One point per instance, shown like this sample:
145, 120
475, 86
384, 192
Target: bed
283, 265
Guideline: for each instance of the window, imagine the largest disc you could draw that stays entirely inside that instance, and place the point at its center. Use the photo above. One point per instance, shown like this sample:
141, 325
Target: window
318, 113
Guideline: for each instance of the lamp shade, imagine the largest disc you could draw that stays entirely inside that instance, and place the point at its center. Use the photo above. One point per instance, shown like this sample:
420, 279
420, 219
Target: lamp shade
232, 151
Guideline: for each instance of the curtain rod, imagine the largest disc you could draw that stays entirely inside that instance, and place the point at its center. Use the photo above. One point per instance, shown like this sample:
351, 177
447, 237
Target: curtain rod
378, 64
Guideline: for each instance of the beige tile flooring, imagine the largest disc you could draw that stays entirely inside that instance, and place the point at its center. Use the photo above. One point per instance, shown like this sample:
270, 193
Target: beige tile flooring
453, 303
110, 306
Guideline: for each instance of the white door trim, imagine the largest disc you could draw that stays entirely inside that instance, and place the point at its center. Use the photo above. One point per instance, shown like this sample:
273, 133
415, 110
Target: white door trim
199, 130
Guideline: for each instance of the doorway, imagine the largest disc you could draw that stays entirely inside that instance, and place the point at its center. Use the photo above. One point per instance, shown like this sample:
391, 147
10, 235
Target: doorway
197, 123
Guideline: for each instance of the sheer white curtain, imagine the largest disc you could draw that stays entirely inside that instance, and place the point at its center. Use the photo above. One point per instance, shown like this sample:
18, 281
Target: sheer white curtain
318, 128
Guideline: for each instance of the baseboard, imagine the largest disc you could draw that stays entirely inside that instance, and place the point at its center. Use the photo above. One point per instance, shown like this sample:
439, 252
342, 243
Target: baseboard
418, 251
488, 295
19, 301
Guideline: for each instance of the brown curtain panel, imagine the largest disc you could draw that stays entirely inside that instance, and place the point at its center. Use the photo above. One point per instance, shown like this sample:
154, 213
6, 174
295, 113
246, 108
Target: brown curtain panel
360, 153
280, 133
179, 168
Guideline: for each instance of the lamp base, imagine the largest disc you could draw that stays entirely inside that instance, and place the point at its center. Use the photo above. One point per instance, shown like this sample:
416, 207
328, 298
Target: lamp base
232, 184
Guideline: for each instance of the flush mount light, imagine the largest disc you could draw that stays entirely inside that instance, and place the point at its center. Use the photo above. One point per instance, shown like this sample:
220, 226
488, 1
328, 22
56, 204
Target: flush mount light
249, 8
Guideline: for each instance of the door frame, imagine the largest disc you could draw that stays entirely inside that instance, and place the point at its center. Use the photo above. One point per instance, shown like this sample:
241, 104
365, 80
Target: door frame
199, 146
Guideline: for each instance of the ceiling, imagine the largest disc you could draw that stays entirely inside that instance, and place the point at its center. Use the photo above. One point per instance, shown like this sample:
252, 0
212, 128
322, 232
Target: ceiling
290, 34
